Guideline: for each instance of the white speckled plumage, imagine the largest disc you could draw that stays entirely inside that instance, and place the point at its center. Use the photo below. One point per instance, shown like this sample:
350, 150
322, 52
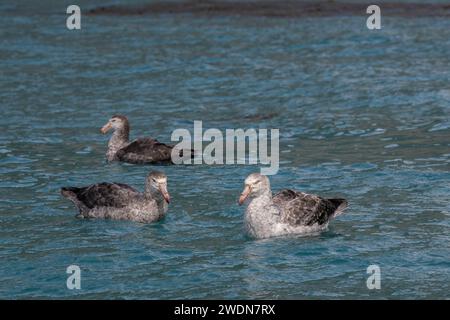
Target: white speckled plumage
288, 212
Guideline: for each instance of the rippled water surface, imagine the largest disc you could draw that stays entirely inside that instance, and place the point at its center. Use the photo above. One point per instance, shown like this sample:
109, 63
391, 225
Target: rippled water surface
362, 115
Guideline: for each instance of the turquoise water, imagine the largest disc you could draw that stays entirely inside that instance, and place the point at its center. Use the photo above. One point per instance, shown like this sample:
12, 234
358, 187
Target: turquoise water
362, 115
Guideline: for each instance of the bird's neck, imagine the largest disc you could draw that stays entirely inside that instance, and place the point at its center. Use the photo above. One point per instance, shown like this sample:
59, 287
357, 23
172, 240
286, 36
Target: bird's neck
262, 200
262, 209
152, 195
118, 140
162, 206
120, 136
261, 216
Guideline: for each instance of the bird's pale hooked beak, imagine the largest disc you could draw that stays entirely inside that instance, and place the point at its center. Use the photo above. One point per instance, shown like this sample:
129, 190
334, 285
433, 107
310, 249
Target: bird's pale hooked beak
164, 192
244, 194
106, 128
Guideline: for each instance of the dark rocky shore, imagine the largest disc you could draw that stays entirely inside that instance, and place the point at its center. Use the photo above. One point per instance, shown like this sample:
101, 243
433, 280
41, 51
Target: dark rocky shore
278, 8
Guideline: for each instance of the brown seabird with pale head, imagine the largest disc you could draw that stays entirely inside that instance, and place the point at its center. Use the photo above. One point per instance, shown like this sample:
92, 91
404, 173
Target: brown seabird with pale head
121, 202
139, 151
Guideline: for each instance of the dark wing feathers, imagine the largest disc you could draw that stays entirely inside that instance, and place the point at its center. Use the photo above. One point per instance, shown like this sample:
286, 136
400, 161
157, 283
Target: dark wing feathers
285, 196
341, 205
103, 194
300, 208
145, 150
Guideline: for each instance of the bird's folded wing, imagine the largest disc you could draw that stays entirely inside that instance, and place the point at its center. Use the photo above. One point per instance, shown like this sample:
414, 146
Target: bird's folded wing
145, 150
107, 195
298, 208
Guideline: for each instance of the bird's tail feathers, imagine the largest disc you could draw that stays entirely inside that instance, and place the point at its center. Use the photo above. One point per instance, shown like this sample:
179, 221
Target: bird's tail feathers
341, 206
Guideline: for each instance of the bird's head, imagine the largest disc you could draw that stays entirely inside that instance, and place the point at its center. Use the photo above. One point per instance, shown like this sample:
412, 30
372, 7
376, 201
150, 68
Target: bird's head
117, 123
157, 185
255, 185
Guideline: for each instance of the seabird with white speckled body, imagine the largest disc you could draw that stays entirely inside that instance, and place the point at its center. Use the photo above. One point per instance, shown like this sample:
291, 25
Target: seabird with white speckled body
288, 212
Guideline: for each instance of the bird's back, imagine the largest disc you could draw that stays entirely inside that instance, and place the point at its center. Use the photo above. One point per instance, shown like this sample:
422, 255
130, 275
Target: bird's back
116, 195
302, 209
145, 150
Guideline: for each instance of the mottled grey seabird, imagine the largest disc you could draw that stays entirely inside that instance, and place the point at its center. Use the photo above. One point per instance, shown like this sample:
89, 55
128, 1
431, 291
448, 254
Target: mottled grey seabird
288, 212
139, 151
120, 201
